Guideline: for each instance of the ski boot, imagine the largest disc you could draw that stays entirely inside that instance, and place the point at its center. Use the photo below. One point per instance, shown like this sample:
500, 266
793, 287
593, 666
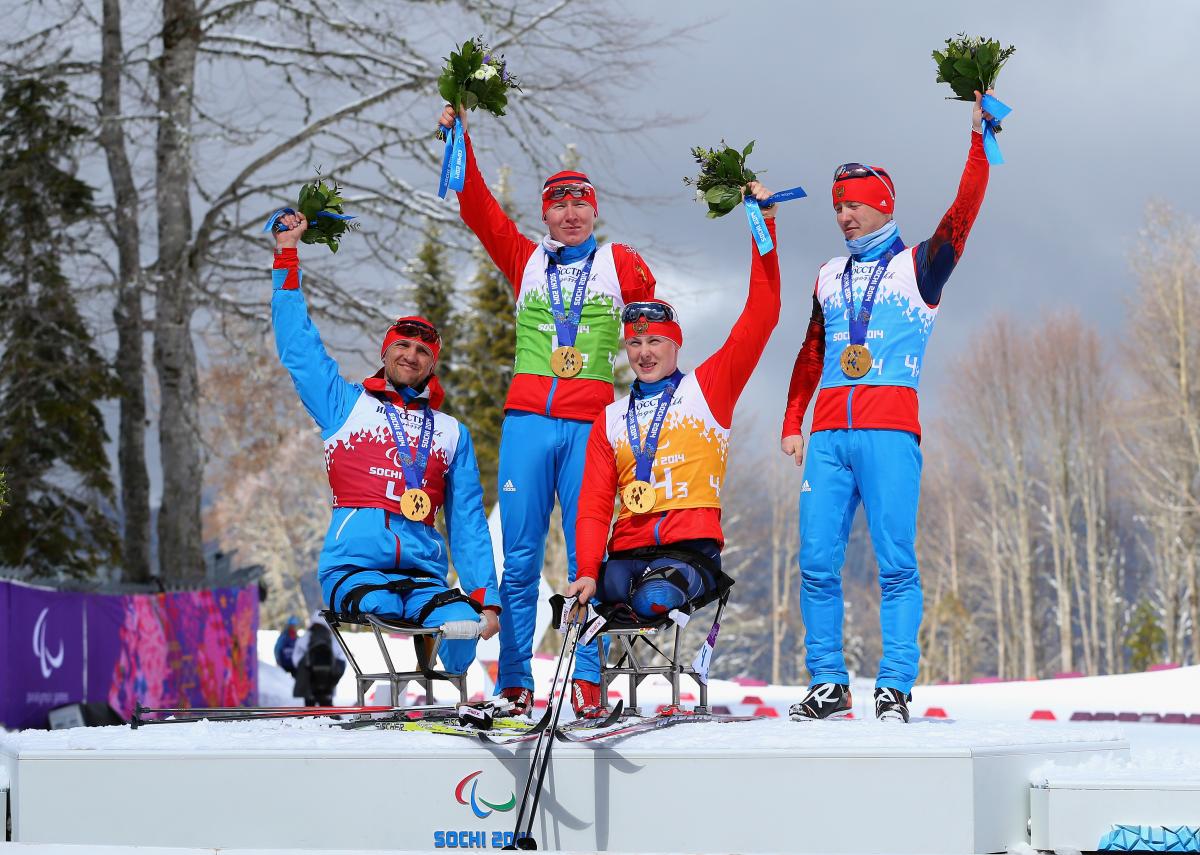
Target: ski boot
521, 700
586, 701
891, 705
824, 700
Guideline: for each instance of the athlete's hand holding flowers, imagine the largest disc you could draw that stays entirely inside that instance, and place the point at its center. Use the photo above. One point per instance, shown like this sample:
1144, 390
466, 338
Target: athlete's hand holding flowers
473, 77
762, 194
980, 115
970, 65
725, 182
295, 225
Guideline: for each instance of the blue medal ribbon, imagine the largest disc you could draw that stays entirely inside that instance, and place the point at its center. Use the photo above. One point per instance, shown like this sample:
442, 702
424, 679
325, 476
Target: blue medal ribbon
412, 465
566, 324
643, 452
784, 196
454, 159
999, 110
273, 221
758, 224
860, 321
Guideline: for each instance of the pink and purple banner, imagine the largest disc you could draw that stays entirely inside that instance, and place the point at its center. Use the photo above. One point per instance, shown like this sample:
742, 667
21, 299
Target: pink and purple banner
191, 648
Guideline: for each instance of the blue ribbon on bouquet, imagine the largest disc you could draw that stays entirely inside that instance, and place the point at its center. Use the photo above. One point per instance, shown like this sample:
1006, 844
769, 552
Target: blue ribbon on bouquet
454, 159
758, 225
998, 109
273, 222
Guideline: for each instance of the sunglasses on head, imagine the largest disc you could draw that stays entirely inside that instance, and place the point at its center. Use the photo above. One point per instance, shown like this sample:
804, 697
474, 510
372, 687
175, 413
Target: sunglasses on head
859, 170
417, 330
576, 191
655, 312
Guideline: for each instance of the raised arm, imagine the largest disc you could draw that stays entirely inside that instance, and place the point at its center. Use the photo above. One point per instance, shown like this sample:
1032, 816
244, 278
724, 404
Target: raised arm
725, 374
937, 256
466, 525
501, 239
324, 393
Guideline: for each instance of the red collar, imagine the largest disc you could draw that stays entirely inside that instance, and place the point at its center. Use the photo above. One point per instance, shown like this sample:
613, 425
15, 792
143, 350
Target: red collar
433, 395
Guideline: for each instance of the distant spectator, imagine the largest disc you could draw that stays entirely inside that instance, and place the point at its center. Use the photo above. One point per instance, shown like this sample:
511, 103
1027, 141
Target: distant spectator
318, 663
285, 644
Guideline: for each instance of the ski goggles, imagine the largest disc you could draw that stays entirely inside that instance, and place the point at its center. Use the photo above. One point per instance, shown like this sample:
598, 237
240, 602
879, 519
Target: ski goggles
575, 191
416, 329
653, 312
859, 170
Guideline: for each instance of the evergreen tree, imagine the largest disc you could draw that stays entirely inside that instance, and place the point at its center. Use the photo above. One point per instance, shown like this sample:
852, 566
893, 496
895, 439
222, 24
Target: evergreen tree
1146, 637
488, 346
52, 435
434, 299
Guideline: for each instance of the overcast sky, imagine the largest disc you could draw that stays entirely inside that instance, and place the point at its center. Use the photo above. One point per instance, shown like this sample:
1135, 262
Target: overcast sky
1103, 120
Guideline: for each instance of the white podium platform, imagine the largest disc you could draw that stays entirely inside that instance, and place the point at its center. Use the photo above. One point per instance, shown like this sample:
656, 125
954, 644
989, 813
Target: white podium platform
1076, 807
765, 786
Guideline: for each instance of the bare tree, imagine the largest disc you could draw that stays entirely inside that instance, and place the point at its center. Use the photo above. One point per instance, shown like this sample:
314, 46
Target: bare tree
127, 311
992, 419
1160, 435
238, 100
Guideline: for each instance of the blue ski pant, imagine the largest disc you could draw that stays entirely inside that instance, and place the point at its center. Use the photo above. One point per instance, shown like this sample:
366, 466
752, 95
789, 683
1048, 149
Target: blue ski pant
882, 469
455, 654
539, 458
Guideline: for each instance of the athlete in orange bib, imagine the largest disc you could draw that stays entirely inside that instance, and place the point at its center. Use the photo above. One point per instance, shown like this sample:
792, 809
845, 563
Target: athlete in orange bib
661, 451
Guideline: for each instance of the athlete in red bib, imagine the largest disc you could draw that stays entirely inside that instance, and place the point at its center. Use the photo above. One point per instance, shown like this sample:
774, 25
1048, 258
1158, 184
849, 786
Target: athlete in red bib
873, 312
394, 461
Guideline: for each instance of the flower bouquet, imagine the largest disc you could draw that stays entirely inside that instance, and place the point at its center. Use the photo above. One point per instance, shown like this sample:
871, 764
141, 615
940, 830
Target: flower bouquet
473, 77
476, 78
723, 175
971, 64
321, 205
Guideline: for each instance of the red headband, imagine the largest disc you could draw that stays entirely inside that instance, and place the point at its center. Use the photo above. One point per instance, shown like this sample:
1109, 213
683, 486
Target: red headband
872, 190
393, 336
663, 329
568, 178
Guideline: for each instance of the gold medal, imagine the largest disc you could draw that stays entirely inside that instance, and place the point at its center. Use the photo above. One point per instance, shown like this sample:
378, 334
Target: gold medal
856, 360
415, 504
639, 497
566, 361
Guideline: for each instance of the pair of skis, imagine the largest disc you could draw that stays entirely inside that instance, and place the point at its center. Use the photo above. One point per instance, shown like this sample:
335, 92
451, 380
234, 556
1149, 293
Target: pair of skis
184, 715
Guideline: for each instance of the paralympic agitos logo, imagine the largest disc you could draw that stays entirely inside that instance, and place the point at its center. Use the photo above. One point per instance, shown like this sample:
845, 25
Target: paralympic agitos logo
475, 802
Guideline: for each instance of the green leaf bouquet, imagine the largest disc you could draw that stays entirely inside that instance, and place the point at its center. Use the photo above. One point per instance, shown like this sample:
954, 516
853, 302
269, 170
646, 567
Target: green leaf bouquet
970, 64
321, 204
476, 78
723, 174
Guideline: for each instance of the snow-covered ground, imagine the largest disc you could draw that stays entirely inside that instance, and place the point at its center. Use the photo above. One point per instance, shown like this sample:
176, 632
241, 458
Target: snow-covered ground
980, 715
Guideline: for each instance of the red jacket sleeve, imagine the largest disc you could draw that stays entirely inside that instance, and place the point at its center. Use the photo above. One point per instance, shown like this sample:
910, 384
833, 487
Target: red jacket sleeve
637, 282
503, 241
806, 373
937, 256
597, 495
725, 374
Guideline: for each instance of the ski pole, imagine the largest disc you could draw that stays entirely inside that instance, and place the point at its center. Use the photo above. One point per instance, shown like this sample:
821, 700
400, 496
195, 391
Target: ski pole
540, 762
